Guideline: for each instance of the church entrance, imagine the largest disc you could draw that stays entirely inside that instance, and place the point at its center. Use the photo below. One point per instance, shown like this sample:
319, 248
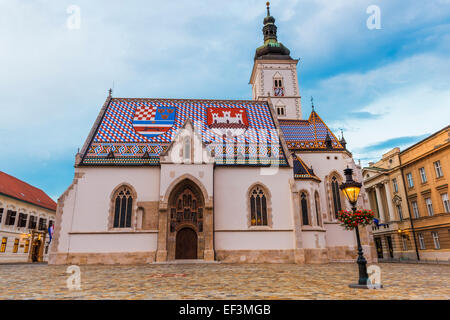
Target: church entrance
186, 244
185, 236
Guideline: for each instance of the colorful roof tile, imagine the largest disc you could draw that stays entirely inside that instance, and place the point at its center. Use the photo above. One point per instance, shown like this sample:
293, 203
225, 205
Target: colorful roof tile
136, 131
301, 171
20, 190
311, 134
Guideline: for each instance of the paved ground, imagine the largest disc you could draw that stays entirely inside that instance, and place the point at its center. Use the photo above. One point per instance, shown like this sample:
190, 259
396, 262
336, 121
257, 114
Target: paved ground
223, 281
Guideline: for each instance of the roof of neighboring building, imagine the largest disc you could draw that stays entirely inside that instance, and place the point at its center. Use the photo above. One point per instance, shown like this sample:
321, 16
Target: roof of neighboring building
311, 134
301, 171
447, 128
376, 168
18, 189
136, 131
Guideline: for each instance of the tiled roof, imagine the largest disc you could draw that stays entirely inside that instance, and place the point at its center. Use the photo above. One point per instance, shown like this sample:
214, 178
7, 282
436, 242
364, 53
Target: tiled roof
20, 190
309, 134
122, 139
301, 171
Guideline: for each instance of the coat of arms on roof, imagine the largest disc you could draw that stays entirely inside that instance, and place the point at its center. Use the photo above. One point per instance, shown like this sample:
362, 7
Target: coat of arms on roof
227, 121
151, 121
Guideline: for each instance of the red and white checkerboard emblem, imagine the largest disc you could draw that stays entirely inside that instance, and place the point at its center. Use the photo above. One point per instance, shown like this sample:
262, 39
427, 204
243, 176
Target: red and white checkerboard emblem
151, 121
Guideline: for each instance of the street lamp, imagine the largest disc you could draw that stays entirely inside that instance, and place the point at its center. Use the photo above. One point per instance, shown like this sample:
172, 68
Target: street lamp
351, 190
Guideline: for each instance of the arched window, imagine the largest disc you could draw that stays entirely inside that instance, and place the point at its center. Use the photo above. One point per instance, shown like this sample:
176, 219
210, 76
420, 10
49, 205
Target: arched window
123, 208
258, 207
336, 196
304, 206
317, 205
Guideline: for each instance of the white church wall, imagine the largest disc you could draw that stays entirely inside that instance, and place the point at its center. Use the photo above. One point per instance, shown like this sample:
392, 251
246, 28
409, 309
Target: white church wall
113, 242
313, 239
324, 164
95, 190
253, 240
231, 211
84, 223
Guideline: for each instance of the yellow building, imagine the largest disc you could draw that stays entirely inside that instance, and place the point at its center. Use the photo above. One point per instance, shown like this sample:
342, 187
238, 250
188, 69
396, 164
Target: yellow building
412, 183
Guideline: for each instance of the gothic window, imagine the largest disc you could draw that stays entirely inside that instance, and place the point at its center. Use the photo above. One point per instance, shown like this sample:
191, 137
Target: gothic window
123, 208
336, 196
258, 207
317, 205
304, 207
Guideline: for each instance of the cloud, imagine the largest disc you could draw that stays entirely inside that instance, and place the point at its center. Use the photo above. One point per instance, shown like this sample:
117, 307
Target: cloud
406, 98
364, 115
392, 143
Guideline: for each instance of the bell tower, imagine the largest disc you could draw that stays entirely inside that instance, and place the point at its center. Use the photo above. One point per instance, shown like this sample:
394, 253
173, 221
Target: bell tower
274, 73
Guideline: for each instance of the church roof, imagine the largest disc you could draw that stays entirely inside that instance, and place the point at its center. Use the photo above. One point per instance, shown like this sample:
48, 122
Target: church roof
124, 133
301, 171
20, 190
312, 134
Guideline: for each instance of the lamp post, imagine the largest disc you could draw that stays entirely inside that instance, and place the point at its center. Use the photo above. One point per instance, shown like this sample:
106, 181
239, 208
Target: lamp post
351, 190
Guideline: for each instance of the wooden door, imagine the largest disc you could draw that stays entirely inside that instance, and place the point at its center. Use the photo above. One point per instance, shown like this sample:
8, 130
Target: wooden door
186, 244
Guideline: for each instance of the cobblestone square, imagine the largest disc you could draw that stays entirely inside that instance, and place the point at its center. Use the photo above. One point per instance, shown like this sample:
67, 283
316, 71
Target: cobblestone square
223, 281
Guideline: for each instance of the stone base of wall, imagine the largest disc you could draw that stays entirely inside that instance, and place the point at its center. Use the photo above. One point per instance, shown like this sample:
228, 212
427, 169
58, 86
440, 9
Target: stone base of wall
316, 256
102, 258
342, 254
255, 256
299, 256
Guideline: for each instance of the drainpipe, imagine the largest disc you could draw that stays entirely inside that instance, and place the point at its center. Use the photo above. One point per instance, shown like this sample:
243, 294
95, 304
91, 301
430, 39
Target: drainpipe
409, 212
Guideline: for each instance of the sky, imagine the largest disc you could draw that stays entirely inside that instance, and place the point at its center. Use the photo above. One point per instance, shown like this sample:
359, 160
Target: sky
385, 87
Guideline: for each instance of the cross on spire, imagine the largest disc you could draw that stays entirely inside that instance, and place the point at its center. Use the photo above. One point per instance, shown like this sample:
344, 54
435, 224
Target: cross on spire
312, 103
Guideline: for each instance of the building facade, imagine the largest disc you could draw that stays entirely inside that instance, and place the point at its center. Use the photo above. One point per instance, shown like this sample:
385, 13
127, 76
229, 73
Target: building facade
26, 213
412, 183
218, 180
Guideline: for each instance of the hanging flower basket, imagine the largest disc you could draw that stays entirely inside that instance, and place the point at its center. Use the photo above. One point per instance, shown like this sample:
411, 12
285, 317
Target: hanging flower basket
350, 220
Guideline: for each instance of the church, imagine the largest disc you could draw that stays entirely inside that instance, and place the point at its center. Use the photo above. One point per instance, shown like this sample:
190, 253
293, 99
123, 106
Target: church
232, 181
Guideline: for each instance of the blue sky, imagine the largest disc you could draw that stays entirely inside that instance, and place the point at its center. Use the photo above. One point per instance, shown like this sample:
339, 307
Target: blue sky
388, 87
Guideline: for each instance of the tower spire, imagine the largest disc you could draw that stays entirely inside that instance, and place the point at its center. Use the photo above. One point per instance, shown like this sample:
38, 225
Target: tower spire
272, 49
